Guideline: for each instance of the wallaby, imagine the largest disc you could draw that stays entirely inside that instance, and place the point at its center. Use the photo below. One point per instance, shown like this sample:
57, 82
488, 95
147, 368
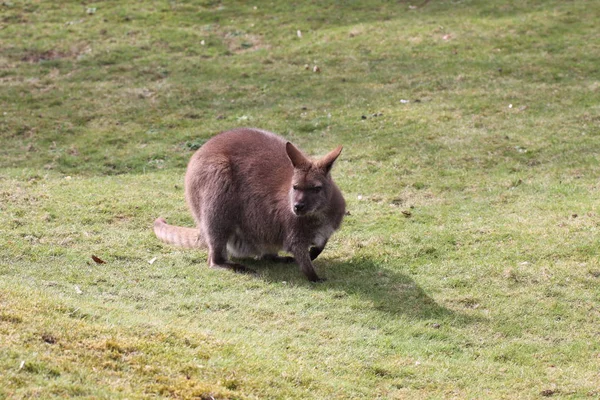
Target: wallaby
254, 194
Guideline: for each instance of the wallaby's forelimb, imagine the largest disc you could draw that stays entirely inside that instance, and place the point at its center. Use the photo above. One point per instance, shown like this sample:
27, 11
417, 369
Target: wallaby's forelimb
315, 251
302, 257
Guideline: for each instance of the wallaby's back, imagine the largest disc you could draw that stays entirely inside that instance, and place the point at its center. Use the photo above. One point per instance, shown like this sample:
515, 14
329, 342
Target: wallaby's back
254, 159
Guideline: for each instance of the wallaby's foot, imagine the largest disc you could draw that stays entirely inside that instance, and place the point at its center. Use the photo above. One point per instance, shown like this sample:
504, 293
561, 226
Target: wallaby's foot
278, 259
316, 279
311, 275
235, 267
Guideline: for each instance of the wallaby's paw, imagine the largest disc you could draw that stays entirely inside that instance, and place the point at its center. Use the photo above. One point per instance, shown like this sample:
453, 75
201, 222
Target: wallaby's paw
160, 221
235, 267
278, 259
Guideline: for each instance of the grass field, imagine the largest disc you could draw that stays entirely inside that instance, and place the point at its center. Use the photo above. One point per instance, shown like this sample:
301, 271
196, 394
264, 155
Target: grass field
467, 268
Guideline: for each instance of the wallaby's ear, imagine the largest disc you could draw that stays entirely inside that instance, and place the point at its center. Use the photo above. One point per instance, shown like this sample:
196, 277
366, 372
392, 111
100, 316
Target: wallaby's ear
327, 162
299, 161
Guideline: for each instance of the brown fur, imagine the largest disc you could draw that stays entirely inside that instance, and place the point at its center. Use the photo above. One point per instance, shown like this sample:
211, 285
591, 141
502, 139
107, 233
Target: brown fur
254, 194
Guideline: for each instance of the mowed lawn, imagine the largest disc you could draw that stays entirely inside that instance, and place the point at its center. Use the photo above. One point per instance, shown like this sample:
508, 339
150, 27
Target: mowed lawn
468, 264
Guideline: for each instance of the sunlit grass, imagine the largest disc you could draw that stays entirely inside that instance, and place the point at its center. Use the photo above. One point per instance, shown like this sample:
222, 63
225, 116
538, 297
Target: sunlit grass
467, 267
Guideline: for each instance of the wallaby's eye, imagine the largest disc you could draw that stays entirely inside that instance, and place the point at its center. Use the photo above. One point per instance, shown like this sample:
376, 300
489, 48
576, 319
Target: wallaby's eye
317, 189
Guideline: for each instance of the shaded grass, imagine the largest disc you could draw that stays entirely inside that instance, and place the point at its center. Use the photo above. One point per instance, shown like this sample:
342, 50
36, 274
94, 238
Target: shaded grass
466, 268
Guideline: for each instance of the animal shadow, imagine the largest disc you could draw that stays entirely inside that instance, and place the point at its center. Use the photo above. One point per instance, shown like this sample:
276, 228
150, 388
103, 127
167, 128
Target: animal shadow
387, 289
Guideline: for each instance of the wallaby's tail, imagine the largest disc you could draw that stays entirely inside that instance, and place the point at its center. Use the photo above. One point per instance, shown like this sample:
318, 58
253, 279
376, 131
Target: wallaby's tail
177, 235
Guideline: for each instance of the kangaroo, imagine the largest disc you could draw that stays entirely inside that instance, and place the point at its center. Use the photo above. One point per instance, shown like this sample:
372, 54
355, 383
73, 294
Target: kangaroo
253, 194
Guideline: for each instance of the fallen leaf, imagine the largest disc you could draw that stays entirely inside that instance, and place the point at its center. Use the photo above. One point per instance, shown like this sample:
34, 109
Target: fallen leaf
48, 338
98, 260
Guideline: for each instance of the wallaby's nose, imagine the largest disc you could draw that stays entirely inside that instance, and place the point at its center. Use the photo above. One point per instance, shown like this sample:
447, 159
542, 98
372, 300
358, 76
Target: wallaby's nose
299, 207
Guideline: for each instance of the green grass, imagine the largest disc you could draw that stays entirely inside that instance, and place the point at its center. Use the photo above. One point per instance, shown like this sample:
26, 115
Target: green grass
467, 268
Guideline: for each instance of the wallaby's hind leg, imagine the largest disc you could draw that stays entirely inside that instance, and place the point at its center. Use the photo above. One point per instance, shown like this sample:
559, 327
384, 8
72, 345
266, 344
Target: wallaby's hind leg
212, 199
218, 230
217, 258
217, 234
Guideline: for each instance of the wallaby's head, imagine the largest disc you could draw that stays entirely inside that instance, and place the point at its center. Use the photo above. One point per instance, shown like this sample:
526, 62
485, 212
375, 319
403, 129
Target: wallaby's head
311, 186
